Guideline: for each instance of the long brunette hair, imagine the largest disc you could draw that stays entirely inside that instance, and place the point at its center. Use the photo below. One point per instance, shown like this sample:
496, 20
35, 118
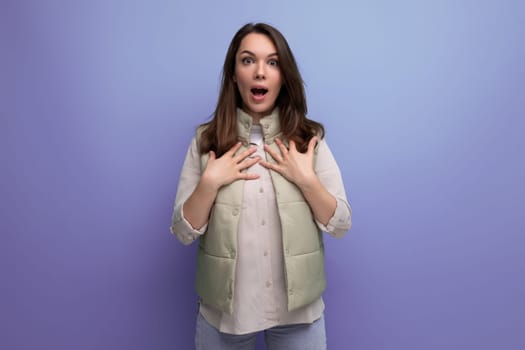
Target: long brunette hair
220, 134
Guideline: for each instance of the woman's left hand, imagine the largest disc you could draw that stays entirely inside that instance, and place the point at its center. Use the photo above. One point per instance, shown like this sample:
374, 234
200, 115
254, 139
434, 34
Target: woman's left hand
294, 166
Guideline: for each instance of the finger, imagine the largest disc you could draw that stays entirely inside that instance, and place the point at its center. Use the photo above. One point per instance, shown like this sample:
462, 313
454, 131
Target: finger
243, 155
248, 163
312, 143
234, 149
248, 176
282, 147
292, 145
211, 155
270, 166
273, 154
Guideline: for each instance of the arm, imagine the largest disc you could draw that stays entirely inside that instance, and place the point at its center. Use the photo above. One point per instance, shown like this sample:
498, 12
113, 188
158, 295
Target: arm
196, 193
321, 202
188, 180
321, 184
219, 172
330, 177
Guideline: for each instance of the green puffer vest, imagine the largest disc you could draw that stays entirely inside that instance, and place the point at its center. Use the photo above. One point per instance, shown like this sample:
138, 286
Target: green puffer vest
302, 239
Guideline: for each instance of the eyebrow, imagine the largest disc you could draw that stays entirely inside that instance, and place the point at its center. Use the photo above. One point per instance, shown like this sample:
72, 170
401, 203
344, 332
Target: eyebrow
251, 53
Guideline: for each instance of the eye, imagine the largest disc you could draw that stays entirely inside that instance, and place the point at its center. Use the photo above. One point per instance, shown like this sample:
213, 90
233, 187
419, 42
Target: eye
247, 60
273, 63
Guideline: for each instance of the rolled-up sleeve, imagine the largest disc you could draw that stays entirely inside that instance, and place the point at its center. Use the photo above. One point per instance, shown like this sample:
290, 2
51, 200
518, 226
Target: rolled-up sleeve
329, 174
188, 180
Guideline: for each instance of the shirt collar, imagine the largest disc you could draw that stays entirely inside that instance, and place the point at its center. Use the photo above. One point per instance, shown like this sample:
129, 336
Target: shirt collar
271, 126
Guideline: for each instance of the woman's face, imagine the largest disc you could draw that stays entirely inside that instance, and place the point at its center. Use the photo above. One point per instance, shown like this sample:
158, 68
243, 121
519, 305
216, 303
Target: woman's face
257, 75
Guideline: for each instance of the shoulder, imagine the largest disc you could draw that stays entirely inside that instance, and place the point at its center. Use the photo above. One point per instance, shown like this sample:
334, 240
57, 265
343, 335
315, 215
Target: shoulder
202, 134
199, 130
321, 141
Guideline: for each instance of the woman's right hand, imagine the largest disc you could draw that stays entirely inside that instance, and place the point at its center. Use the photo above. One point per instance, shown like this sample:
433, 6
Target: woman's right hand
218, 172
229, 167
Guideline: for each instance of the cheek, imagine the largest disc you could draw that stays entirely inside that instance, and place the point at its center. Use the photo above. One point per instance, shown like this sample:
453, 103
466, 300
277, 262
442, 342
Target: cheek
243, 90
278, 85
278, 79
241, 81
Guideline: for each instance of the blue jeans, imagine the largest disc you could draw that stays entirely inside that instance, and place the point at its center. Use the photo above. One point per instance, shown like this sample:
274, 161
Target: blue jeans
302, 336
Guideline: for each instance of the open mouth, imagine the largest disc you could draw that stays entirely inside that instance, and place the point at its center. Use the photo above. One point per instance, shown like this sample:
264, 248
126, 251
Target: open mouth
259, 92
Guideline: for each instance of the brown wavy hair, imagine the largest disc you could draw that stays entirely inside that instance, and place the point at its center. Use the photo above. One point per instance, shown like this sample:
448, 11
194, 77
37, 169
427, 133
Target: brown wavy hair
220, 134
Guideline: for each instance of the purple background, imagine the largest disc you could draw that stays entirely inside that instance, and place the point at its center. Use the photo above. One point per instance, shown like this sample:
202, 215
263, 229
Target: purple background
423, 103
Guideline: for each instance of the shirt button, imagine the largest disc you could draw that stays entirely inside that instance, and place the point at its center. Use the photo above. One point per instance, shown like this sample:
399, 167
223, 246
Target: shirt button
265, 253
290, 291
235, 212
268, 284
266, 126
261, 190
263, 223
287, 251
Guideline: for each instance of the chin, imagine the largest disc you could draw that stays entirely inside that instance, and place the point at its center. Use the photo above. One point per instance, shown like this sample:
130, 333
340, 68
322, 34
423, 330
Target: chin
263, 110
266, 108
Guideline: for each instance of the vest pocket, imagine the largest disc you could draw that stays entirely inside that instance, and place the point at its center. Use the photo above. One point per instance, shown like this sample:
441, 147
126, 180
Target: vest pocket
300, 232
220, 239
214, 282
306, 278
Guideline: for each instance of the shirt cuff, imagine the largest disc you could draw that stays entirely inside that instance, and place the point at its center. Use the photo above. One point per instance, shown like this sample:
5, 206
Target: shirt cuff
181, 228
340, 222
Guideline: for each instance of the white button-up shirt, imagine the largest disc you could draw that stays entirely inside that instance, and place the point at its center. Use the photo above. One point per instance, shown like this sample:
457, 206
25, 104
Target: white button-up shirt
260, 299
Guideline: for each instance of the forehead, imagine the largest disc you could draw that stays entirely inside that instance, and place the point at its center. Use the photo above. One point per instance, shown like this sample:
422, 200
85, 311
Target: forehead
257, 43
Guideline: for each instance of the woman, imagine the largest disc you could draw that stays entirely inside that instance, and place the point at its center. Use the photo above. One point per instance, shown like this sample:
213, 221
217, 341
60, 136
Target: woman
258, 187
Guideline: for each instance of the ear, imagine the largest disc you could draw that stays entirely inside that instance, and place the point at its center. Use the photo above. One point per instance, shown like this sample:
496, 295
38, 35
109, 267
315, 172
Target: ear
234, 79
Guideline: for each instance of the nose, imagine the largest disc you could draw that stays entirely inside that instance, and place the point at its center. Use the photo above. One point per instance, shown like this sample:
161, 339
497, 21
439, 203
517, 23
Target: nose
259, 71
